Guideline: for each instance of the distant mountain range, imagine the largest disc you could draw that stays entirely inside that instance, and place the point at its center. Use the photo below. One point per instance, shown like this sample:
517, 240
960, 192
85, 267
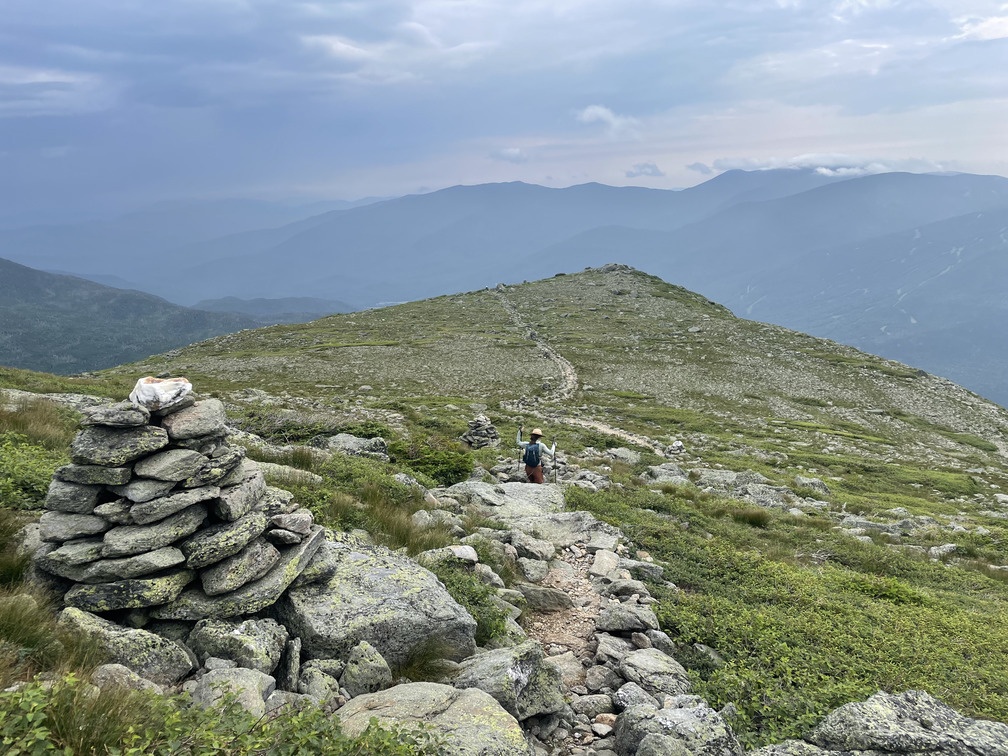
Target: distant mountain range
284, 310
63, 324
860, 260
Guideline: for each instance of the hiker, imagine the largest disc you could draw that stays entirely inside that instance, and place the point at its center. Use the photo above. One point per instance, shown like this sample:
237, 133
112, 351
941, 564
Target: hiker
532, 456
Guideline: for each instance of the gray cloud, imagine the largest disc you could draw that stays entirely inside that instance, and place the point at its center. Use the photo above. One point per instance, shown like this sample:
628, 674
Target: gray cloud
147, 100
645, 169
510, 155
702, 168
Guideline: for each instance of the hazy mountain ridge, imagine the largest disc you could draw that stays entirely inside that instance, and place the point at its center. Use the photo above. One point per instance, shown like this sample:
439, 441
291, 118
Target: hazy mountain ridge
64, 324
757, 241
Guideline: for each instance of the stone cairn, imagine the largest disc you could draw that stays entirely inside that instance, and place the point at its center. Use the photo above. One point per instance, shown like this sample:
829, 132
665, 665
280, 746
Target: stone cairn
158, 517
481, 433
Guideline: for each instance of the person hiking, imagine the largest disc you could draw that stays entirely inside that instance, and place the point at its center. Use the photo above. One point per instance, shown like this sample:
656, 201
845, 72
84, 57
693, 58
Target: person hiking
532, 456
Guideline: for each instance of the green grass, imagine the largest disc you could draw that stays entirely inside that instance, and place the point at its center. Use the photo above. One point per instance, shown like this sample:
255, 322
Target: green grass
807, 619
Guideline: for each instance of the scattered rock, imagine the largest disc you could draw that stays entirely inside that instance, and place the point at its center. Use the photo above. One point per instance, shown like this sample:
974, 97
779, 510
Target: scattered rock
366, 671
255, 644
472, 722
520, 678
378, 596
688, 720
152, 657
116, 447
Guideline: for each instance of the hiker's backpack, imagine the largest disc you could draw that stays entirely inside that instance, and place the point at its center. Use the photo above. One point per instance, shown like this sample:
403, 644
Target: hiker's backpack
533, 455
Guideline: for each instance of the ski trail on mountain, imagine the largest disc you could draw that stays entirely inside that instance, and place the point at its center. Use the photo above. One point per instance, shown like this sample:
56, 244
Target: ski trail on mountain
568, 385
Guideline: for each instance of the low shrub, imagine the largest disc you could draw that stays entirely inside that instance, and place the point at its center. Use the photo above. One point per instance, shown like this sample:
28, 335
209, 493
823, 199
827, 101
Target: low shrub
476, 598
72, 717
438, 458
25, 471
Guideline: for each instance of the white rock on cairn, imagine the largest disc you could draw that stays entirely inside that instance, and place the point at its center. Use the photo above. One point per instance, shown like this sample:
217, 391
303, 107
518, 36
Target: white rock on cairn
159, 393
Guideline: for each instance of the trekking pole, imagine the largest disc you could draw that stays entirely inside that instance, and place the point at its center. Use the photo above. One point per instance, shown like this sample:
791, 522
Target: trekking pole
556, 465
518, 465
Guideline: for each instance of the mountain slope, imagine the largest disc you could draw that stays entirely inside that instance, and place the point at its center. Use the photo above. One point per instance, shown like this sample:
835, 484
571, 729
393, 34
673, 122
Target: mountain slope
835, 525
64, 324
932, 296
121, 245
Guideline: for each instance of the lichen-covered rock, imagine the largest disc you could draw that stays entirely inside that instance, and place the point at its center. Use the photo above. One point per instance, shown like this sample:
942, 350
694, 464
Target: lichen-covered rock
129, 594
151, 656
126, 540
119, 415
72, 554
147, 512
132, 567
626, 618
366, 671
524, 683
322, 566
255, 644
250, 687
173, 464
116, 447
57, 527
109, 676
633, 694
252, 597
543, 598
472, 722
653, 744
287, 670
379, 596
116, 512
237, 501
319, 678
74, 498
249, 564
143, 489
689, 720
204, 418
219, 466
299, 522
908, 723
225, 539
658, 674
94, 475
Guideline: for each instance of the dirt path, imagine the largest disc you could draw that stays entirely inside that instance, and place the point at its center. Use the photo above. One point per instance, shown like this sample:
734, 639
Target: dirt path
569, 385
568, 375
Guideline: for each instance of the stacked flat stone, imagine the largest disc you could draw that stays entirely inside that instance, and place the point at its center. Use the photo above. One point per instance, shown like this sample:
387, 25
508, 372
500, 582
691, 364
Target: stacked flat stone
158, 514
481, 433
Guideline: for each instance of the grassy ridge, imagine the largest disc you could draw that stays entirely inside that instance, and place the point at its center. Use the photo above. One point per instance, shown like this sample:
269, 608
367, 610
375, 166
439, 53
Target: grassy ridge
803, 616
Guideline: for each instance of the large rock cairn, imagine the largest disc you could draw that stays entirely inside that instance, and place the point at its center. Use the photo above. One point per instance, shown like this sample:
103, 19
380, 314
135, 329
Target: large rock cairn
158, 517
481, 433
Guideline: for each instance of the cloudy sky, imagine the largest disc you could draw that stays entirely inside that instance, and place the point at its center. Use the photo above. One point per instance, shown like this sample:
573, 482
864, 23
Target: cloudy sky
105, 103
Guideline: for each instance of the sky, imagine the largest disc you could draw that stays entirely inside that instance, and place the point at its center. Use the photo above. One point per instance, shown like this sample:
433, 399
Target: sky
106, 104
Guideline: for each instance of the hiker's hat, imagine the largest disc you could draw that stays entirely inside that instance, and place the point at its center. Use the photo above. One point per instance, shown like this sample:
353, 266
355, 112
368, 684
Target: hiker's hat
537, 431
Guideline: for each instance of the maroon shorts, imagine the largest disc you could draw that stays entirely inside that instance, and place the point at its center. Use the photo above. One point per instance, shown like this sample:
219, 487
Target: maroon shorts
534, 474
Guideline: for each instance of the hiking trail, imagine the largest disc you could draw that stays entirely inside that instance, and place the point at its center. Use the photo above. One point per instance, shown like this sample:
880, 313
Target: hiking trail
568, 375
569, 384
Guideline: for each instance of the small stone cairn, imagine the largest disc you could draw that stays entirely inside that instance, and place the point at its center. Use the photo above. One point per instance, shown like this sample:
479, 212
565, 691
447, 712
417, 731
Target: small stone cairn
158, 517
481, 433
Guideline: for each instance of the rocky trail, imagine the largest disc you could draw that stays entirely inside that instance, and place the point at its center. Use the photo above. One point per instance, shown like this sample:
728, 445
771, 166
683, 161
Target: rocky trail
194, 574
568, 375
568, 385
